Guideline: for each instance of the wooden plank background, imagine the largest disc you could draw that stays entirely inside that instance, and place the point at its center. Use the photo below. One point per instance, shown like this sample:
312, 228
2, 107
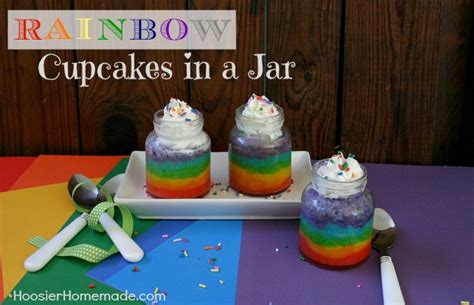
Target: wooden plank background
37, 116
388, 80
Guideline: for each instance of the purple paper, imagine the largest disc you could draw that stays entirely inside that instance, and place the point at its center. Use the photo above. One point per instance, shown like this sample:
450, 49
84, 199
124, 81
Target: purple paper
433, 210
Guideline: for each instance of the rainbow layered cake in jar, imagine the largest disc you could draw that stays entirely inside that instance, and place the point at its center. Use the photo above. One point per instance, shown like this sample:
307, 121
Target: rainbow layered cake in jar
178, 154
260, 149
337, 214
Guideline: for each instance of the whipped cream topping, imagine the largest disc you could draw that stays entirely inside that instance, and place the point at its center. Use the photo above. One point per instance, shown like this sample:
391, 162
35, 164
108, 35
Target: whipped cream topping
339, 168
259, 107
179, 127
339, 177
260, 116
179, 111
187, 145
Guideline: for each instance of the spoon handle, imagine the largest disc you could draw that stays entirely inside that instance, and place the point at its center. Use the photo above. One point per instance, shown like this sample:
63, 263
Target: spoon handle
392, 294
124, 243
43, 255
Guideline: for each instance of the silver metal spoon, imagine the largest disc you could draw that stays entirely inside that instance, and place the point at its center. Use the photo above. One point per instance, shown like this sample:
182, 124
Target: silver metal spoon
110, 187
383, 238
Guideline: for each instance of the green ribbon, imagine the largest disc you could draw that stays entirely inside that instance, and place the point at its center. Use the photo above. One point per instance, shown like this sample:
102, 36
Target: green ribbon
87, 252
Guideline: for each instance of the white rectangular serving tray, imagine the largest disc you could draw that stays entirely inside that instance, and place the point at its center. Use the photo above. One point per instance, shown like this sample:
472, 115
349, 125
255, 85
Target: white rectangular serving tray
222, 202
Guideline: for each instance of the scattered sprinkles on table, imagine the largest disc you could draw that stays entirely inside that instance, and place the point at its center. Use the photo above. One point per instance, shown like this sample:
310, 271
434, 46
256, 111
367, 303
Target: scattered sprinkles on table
218, 188
212, 261
273, 196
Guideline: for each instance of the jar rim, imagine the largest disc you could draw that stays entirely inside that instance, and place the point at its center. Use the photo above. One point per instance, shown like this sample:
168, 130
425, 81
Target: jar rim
318, 164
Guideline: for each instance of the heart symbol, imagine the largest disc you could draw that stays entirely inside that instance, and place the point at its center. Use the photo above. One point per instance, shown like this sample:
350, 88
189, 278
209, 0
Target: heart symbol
187, 55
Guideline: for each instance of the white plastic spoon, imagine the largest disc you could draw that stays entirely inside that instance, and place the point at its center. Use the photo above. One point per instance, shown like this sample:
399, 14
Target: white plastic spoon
384, 236
86, 195
43, 255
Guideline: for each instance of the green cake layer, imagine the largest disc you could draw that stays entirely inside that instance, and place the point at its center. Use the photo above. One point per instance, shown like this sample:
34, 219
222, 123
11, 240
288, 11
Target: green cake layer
179, 169
268, 165
332, 235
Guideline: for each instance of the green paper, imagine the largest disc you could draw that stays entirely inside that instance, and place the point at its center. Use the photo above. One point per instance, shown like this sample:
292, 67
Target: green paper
90, 252
69, 274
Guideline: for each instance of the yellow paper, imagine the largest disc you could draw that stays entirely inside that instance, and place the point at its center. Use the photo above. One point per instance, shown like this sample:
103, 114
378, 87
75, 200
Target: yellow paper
25, 213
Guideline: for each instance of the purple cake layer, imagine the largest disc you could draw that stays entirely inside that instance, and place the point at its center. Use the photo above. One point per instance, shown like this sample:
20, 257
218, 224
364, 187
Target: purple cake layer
352, 211
255, 147
160, 154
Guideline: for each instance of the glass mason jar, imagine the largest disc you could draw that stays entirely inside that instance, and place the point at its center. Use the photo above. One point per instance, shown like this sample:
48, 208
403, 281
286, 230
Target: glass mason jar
178, 157
336, 220
260, 154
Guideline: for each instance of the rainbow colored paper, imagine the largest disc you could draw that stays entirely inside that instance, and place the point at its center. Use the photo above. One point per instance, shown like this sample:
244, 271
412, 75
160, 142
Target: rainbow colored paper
269, 266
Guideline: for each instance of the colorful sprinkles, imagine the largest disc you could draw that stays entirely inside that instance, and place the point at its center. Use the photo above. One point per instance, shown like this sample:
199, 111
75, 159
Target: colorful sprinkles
342, 162
179, 108
218, 188
212, 261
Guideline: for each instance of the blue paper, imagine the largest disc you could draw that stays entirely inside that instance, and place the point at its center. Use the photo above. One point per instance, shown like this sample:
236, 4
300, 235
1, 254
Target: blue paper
165, 266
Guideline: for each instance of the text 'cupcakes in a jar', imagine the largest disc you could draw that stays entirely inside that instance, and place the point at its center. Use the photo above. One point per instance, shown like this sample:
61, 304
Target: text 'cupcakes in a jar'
260, 149
337, 213
178, 153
